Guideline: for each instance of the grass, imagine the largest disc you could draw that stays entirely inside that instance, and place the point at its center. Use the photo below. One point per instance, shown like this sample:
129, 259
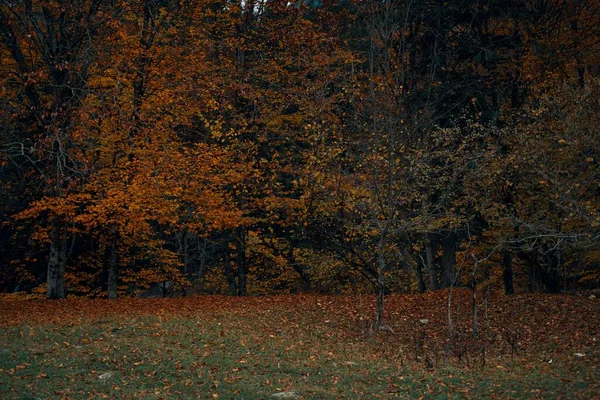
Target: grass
318, 346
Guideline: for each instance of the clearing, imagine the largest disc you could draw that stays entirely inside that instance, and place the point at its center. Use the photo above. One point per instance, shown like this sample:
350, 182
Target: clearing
529, 346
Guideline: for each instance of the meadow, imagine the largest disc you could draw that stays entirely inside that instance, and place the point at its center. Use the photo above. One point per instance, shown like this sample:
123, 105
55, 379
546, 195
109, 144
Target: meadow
317, 346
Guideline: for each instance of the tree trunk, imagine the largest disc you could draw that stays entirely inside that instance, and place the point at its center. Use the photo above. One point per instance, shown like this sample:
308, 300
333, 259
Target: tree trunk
430, 259
532, 271
474, 299
200, 259
242, 274
580, 67
439, 50
57, 263
449, 258
380, 300
184, 253
507, 273
241, 262
144, 60
549, 275
419, 273
380, 284
301, 270
113, 264
232, 285
553, 278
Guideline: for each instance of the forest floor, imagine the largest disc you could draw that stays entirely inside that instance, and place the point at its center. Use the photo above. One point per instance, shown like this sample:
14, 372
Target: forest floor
528, 346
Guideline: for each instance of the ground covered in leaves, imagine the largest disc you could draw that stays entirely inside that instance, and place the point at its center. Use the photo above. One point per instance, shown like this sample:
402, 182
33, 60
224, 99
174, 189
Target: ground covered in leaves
528, 346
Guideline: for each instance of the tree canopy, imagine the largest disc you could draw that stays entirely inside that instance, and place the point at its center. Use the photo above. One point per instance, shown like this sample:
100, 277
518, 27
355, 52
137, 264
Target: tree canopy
250, 147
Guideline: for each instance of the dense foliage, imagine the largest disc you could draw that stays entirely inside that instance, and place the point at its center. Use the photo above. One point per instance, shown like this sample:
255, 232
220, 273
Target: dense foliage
274, 146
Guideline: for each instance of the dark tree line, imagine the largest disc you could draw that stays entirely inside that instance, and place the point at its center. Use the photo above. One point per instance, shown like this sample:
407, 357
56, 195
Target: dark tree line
267, 146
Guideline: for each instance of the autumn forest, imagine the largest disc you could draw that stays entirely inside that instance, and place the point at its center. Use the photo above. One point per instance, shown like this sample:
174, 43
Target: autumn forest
173, 147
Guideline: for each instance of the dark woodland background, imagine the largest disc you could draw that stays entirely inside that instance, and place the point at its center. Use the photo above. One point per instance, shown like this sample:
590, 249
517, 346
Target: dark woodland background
159, 147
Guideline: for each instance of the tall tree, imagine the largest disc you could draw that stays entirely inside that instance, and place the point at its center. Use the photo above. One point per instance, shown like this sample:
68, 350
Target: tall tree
50, 47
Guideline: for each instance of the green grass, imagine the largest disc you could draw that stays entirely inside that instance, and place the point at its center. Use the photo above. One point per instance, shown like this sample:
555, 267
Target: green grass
243, 355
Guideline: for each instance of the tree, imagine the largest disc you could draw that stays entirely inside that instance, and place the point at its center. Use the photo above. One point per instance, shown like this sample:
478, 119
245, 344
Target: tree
49, 49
